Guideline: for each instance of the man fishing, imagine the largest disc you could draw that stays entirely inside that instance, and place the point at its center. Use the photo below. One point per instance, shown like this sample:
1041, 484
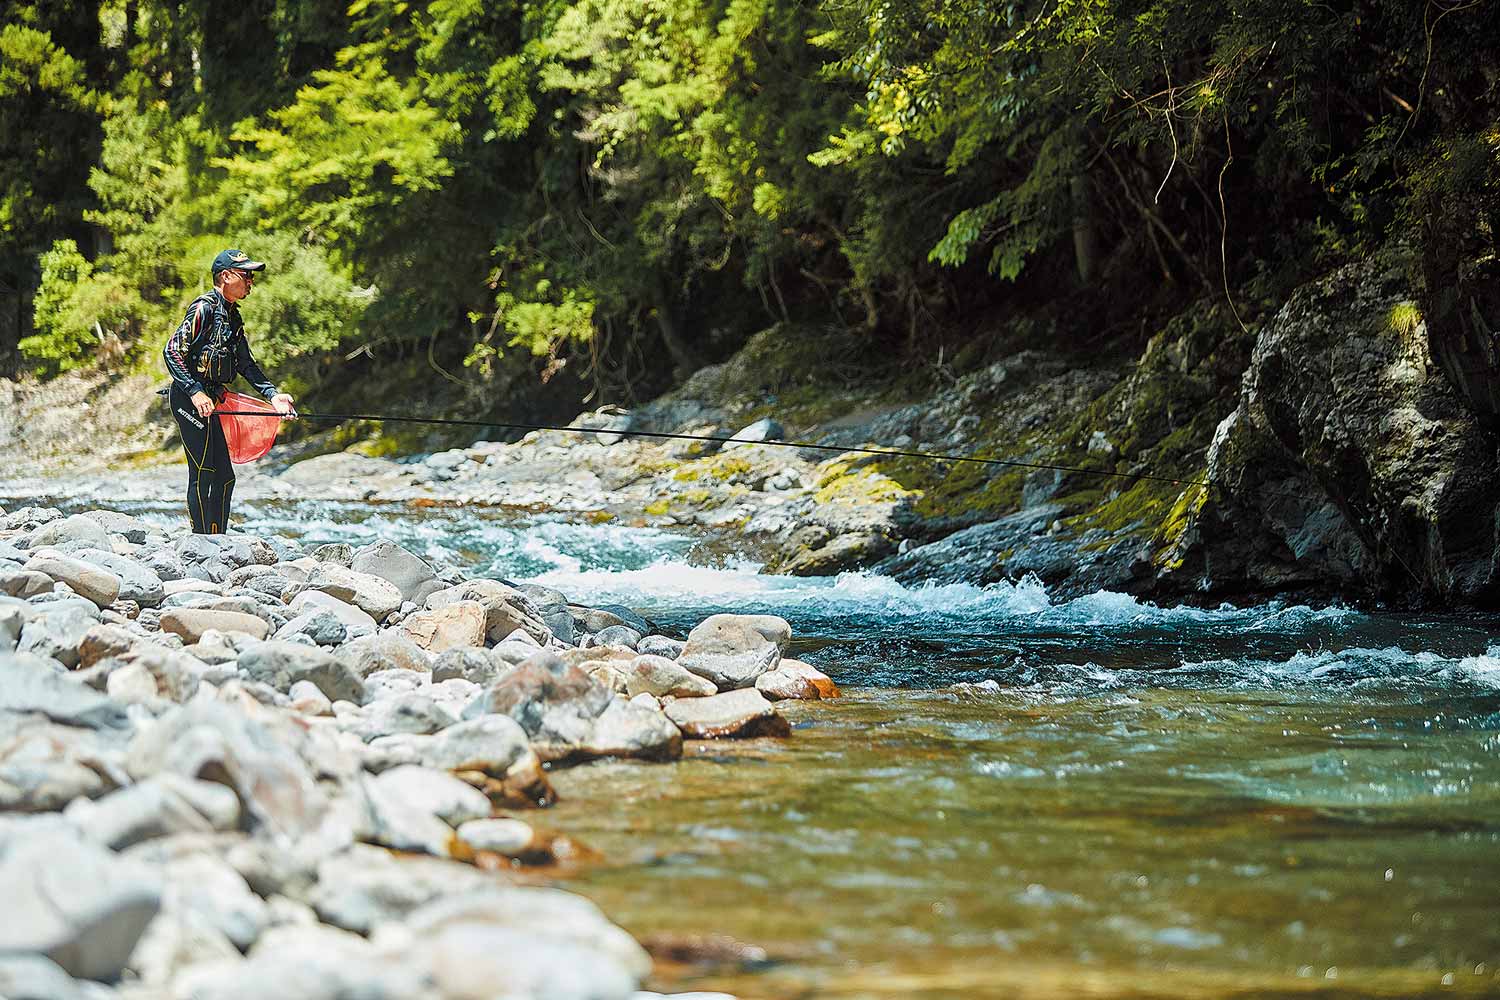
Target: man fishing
203, 356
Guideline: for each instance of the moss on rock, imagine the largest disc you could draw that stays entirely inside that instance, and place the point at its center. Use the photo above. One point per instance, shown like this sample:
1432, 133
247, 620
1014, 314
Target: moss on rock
842, 480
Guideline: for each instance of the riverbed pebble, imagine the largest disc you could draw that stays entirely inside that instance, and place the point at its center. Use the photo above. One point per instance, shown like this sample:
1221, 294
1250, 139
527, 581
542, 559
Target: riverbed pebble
234, 770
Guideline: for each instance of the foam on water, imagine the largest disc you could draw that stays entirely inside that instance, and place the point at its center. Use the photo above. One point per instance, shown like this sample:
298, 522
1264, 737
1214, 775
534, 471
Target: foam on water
1382, 671
671, 583
872, 629
1483, 670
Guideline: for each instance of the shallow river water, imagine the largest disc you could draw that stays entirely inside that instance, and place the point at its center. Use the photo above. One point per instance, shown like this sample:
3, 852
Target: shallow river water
1118, 800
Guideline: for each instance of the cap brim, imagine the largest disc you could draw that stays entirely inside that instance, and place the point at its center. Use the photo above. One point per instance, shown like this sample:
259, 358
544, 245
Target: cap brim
251, 265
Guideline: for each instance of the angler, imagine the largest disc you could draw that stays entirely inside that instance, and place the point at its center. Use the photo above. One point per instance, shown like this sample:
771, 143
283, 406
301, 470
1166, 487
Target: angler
205, 353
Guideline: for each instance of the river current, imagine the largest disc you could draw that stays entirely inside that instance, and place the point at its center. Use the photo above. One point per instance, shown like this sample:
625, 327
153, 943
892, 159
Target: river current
1020, 796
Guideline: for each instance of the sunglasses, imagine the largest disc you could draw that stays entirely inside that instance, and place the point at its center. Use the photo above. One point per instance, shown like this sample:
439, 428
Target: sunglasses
246, 276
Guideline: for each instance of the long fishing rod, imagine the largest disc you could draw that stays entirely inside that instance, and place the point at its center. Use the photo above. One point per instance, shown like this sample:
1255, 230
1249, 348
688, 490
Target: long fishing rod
837, 449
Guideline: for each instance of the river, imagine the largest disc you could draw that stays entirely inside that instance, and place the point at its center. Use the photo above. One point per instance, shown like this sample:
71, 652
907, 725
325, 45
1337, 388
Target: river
1023, 797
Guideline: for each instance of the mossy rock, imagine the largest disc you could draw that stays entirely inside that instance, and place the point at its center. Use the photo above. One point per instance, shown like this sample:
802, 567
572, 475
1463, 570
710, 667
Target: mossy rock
838, 482
719, 468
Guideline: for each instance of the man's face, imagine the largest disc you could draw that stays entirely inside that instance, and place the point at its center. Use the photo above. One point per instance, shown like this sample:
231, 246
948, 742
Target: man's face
236, 284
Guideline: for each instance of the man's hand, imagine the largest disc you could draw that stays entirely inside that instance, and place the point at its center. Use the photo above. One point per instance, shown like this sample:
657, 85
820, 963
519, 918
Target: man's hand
282, 401
203, 404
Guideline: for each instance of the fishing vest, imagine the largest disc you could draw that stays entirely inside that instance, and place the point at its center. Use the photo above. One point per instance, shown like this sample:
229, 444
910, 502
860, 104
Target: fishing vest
211, 358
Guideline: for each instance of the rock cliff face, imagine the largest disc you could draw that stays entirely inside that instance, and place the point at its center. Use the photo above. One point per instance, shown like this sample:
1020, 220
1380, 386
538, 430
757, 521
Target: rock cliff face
1350, 463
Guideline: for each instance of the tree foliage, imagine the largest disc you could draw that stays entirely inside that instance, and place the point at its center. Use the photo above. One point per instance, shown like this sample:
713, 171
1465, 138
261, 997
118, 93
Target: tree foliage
640, 183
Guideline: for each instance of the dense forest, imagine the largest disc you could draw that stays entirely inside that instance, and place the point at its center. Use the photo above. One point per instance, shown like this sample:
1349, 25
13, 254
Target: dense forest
624, 189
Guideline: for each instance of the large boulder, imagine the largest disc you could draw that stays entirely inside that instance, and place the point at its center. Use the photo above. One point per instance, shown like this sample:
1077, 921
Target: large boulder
34, 977
23, 583
658, 675
412, 712
209, 892
159, 806
260, 753
543, 944
175, 674
132, 529
212, 557
806, 672
478, 666
307, 962
44, 766
389, 819
1350, 460
436, 792
624, 729
77, 528
32, 685
240, 603
14, 614
103, 641
733, 650
365, 887
322, 627
783, 685
58, 631
138, 582
311, 601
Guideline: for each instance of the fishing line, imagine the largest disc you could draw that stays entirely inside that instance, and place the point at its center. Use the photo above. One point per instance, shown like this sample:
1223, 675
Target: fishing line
836, 449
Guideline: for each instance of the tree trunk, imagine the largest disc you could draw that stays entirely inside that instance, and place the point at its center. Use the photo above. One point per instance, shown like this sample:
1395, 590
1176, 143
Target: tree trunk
684, 358
1085, 240
1461, 298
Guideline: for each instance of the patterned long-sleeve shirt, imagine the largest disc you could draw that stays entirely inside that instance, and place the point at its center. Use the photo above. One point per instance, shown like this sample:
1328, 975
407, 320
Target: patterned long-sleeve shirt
209, 348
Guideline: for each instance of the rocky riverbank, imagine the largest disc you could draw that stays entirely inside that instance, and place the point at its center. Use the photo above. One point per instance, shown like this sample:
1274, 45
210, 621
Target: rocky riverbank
1338, 461
230, 767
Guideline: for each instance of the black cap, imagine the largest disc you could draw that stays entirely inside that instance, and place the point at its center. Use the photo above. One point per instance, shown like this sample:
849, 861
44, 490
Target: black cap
236, 259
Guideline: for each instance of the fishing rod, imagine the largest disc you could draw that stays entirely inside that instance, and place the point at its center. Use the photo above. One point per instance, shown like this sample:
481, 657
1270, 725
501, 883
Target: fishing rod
837, 449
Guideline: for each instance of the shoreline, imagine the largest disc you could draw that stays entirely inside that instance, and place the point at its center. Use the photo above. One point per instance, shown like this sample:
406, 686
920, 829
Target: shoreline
363, 726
